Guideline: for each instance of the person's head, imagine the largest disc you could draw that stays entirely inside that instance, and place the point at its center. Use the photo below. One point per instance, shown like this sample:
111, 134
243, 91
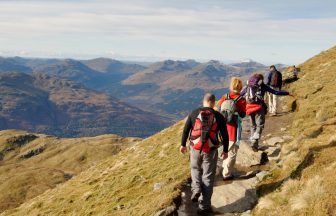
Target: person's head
272, 68
209, 100
236, 85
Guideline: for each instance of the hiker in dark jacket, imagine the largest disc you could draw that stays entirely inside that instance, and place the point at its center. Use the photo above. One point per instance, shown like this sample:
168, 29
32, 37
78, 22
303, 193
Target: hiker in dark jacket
274, 81
256, 107
204, 125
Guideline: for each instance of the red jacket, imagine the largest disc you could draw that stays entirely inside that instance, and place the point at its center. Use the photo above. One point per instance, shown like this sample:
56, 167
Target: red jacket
241, 108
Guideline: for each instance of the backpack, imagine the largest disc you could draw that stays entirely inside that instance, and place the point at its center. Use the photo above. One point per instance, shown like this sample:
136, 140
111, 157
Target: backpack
229, 108
275, 79
253, 91
204, 133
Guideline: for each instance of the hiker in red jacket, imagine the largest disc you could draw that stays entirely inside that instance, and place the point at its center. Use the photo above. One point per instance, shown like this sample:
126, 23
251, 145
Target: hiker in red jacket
204, 125
256, 107
236, 104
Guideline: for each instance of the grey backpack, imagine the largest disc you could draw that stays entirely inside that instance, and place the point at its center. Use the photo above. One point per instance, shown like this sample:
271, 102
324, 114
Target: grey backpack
229, 108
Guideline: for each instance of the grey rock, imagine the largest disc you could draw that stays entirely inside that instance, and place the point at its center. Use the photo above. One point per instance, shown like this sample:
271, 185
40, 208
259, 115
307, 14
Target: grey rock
261, 175
274, 140
288, 137
158, 186
167, 211
247, 213
238, 196
246, 156
273, 151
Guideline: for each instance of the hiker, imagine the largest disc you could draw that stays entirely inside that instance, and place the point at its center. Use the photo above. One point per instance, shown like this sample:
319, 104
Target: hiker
204, 125
233, 107
295, 72
274, 80
256, 107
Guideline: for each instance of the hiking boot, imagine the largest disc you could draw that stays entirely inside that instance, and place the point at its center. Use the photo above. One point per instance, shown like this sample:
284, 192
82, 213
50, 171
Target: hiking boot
195, 197
204, 211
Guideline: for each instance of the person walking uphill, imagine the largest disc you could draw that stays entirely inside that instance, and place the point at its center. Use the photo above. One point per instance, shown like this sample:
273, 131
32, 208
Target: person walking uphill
274, 80
256, 107
233, 107
204, 125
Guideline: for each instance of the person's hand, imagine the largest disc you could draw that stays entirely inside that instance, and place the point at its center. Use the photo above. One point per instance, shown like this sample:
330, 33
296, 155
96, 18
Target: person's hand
183, 149
224, 155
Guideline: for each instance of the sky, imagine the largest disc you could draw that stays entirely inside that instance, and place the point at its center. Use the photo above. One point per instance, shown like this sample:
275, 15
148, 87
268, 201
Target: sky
268, 31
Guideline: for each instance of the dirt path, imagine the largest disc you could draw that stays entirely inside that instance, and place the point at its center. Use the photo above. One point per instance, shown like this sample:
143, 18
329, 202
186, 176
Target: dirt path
239, 196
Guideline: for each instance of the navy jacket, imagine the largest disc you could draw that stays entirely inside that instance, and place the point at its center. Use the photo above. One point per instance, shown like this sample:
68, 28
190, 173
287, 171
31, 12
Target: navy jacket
269, 79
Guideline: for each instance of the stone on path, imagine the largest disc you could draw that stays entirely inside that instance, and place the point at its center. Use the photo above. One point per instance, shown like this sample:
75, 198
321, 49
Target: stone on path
246, 156
274, 140
234, 197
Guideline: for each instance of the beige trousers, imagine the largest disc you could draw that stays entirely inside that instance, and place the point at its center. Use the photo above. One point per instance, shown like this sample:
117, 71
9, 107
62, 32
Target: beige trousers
273, 102
229, 163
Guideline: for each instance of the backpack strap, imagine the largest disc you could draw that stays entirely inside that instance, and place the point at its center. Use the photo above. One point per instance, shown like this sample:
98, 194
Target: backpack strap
228, 96
237, 98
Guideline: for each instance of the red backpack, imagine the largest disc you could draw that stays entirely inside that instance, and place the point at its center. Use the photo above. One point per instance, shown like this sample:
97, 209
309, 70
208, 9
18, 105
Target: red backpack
203, 136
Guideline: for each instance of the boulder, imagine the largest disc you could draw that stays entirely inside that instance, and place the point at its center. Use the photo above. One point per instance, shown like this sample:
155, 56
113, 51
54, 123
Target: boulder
236, 197
167, 211
274, 140
247, 157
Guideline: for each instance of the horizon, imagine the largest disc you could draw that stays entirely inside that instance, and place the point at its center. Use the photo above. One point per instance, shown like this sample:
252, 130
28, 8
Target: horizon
284, 32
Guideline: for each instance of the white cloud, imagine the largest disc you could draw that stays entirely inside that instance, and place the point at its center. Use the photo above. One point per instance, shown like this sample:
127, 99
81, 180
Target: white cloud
129, 25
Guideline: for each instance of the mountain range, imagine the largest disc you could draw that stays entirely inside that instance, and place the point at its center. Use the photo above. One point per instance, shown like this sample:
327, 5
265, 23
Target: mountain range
49, 104
65, 93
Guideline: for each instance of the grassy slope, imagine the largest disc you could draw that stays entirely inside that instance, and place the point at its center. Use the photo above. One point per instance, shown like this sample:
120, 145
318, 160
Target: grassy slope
121, 185
309, 164
22, 179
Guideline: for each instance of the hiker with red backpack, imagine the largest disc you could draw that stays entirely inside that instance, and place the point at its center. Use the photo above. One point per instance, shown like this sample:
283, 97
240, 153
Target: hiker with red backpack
256, 107
233, 108
206, 130
274, 81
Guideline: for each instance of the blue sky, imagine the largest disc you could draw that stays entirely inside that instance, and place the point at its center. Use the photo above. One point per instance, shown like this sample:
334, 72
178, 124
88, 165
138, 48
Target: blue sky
269, 31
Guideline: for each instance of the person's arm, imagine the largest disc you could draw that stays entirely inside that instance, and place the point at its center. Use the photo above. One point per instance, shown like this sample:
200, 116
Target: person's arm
219, 104
243, 92
272, 91
186, 131
223, 132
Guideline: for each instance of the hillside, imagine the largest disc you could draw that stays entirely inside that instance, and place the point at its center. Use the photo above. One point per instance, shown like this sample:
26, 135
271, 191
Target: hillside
33, 163
148, 177
121, 185
48, 104
304, 184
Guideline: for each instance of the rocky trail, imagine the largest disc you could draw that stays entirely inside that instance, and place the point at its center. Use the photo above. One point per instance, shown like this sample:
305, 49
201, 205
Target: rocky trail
238, 197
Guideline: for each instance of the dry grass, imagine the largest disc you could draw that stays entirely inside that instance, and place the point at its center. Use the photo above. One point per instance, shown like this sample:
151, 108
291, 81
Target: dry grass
308, 166
24, 178
121, 185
